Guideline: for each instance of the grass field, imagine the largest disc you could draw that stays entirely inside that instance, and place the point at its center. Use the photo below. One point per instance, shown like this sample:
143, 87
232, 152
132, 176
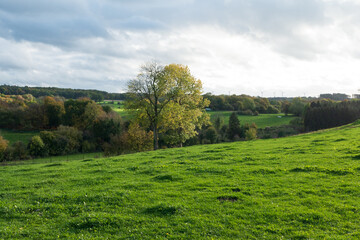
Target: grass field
300, 187
261, 121
119, 108
14, 136
56, 159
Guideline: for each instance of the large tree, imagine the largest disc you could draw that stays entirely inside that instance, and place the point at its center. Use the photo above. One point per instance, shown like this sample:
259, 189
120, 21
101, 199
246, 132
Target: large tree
168, 99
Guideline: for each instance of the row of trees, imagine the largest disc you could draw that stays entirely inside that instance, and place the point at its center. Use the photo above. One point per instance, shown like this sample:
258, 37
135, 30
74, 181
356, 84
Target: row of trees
69, 126
326, 114
244, 104
67, 93
166, 102
247, 105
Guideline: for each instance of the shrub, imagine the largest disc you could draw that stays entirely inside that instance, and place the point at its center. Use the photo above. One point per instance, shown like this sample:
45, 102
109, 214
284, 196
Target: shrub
3, 147
250, 134
211, 134
36, 146
19, 151
139, 140
234, 127
117, 145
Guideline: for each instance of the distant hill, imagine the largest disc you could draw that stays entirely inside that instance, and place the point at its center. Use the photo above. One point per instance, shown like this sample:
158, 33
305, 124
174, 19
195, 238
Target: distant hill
298, 187
68, 93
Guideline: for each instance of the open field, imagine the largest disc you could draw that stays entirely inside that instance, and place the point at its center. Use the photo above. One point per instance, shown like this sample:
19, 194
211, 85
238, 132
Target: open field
14, 136
117, 106
300, 187
261, 121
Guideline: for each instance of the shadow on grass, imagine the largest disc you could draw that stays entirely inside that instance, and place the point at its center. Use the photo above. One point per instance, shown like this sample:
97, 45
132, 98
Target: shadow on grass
161, 210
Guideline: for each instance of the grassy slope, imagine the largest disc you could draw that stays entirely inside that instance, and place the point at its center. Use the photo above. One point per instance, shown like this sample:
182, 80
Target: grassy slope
299, 187
14, 136
262, 120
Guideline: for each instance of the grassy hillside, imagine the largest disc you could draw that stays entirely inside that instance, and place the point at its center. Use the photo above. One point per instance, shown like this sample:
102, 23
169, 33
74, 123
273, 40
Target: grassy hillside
262, 120
300, 187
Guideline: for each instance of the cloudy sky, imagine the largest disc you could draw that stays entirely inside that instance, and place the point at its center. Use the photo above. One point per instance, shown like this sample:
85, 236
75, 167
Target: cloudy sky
255, 47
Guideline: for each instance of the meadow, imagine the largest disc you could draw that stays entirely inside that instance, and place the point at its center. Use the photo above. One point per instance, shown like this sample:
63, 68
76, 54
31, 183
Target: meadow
261, 121
117, 106
300, 187
14, 136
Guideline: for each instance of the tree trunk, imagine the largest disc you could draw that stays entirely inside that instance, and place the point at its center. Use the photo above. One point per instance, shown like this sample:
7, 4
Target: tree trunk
156, 142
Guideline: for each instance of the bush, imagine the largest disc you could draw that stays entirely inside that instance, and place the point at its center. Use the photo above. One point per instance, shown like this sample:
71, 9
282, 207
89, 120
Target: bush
211, 134
117, 145
64, 140
139, 140
234, 127
250, 134
3, 147
36, 146
19, 151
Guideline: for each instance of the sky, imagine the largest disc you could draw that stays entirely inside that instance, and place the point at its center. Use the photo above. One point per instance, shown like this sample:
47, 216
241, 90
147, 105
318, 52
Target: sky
256, 47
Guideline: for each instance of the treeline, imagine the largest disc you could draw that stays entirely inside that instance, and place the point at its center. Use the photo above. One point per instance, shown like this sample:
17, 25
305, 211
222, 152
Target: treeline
243, 104
81, 125
327, 114
227, 132
67, 93
66, 127
247, 105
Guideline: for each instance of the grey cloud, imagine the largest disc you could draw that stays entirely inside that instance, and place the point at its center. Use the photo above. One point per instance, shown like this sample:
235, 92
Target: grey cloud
38, 7
62, 22
49, 22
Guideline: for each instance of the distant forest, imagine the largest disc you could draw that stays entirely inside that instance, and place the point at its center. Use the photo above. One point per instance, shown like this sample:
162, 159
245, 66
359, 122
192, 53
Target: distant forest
67, 93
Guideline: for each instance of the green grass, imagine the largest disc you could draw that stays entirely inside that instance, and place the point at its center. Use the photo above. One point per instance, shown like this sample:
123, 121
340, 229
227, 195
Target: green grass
300, 187
119, 108
56, 159
14, 136
261, 121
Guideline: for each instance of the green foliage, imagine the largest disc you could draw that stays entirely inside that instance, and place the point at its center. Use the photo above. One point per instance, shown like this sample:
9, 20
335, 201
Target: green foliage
68, 93
218, 122
138, 139
36, 146
327, 114
297, 106
19, 151
64, 140
234, 131
168, 99
75, 113
250, 134
54, 111
300, 187
3, 146
211, 134
242, 103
